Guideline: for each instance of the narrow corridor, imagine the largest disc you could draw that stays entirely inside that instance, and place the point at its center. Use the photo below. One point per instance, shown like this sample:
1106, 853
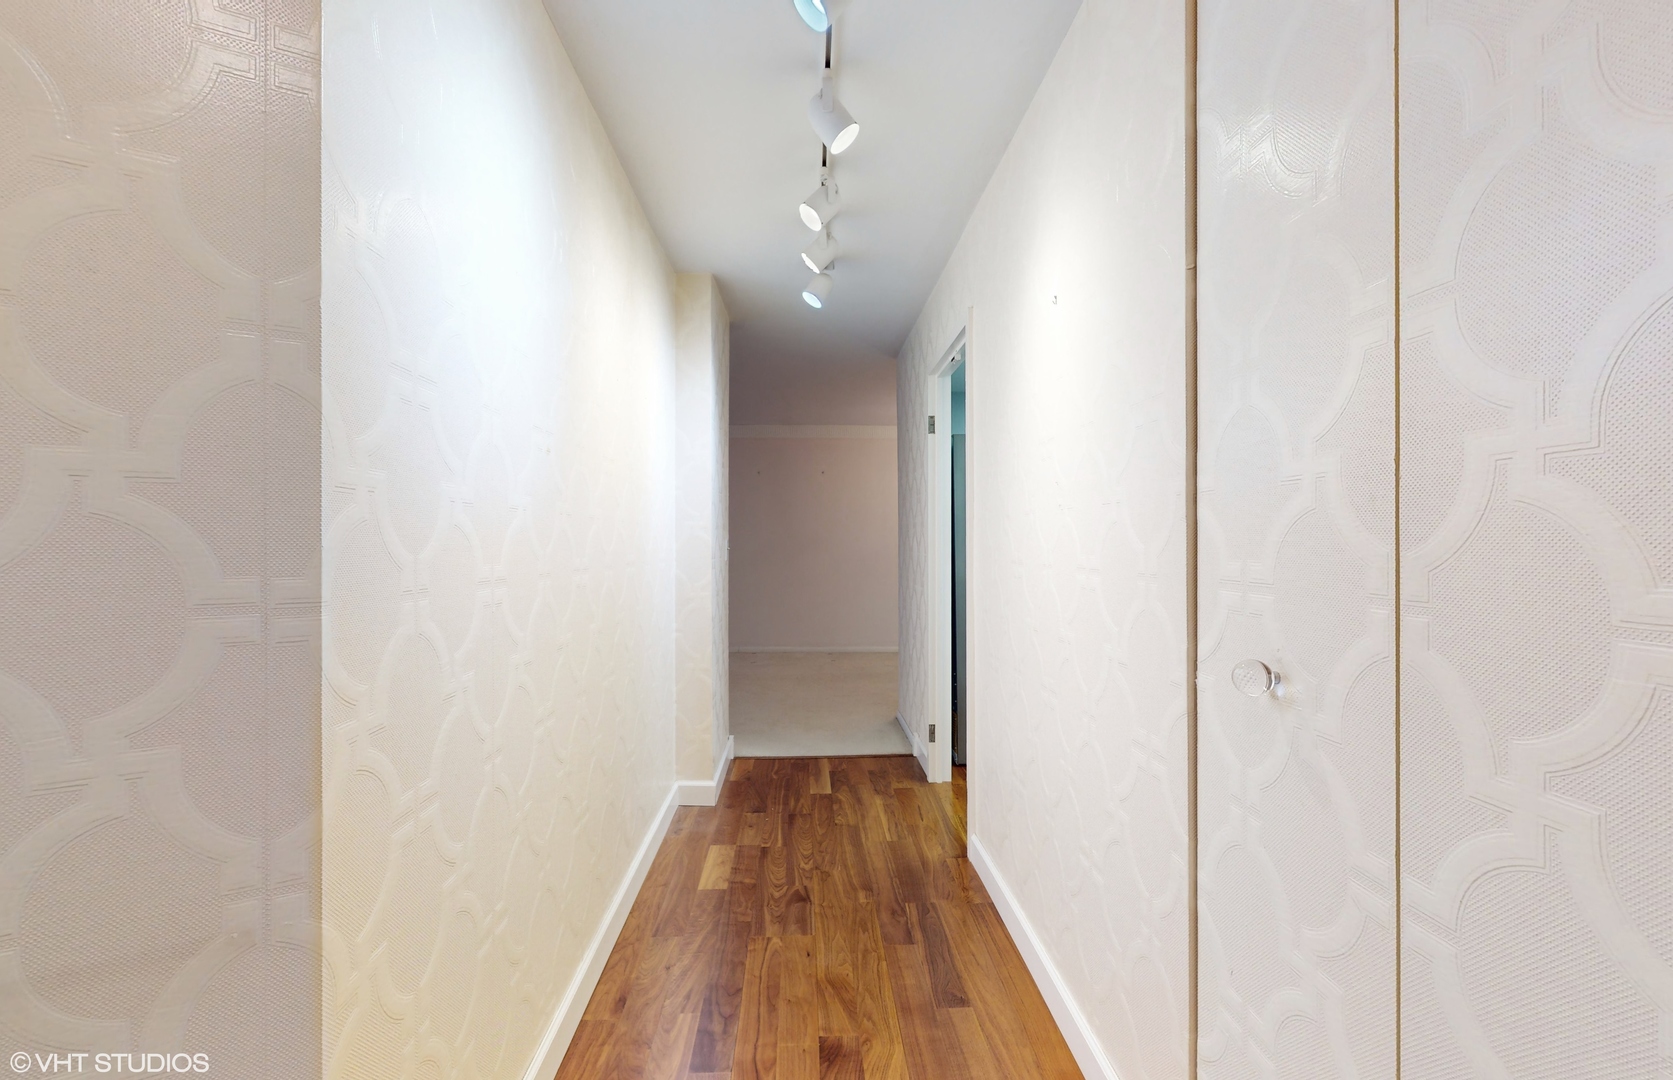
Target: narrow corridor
822, 921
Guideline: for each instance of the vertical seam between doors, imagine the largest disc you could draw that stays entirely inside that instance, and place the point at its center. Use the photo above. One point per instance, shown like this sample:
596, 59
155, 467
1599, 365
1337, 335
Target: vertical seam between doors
1192, 568
1399, 658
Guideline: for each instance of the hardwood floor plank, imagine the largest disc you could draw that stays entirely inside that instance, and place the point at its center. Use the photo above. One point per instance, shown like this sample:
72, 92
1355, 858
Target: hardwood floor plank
803, 840
1050, 1049
946, 986
973, 1044
854, 994
759, 829
798, 1025
717, 867
685, 869
785, 903
927, 823
744, 893
755, 1056
840, 1058
732, 791
906, 870
892, 918
932, 1047
989, 995
754, 786
961, 883
671, 1045
717, 1030
835, 901
798, 789
844, 800
637, 1025
727, 825
821, 784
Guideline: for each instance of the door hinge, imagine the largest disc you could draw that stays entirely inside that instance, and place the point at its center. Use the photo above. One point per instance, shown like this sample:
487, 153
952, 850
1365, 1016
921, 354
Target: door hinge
932, 425
932, 733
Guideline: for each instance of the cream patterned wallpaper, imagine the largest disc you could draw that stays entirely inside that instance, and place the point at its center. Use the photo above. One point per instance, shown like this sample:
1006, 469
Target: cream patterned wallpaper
1537, 510
159, 530
704, 336
1076, 392
1295, 485
499, 578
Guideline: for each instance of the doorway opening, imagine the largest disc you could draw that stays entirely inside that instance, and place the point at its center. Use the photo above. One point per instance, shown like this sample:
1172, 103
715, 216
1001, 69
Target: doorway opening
961, 667
948, 743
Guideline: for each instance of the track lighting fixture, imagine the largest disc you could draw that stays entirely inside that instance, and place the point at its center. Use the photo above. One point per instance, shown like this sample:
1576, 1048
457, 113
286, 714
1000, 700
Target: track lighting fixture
835, 126
822, 206
818, 291
821, 253
819, 14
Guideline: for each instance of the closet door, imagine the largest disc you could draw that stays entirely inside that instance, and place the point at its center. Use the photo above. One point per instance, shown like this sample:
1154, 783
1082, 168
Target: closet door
1296, 399
1537, 539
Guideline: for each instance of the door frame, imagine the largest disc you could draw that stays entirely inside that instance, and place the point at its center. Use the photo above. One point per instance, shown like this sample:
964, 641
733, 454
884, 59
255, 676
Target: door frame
937, 756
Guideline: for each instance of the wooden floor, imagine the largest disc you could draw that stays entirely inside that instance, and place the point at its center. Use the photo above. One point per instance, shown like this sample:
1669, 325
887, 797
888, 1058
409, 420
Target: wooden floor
821, 923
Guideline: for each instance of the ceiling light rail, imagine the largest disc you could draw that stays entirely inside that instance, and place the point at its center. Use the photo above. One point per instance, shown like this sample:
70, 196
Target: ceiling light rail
837, 130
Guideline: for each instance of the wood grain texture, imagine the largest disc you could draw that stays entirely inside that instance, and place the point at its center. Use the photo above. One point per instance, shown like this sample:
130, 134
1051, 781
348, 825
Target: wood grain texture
822, 921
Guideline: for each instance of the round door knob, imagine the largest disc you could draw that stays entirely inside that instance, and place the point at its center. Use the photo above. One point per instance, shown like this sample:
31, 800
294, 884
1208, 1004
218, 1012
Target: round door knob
1255, 679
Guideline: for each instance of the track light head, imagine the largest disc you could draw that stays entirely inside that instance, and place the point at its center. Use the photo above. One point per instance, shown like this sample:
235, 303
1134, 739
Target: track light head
820, 208
821, 253
819, 14
814, 14
818, 291
833, 123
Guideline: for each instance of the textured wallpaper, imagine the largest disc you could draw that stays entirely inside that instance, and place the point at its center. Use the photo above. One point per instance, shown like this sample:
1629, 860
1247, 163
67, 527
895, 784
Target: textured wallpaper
1076, 397
1296, 496
159, 531
701, 632
499, 574
1537, 539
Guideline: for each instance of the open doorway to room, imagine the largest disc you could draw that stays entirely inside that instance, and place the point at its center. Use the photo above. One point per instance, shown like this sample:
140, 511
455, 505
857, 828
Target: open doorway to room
948, 745
960, 689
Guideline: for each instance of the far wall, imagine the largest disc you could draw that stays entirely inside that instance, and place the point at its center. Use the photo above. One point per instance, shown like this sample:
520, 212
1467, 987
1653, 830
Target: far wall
814, 538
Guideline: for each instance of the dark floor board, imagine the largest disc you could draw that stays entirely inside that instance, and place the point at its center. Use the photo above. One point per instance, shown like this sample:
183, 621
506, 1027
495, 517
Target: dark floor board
927, 1036
1050, 1050
946, 985
840, 1058
990, 997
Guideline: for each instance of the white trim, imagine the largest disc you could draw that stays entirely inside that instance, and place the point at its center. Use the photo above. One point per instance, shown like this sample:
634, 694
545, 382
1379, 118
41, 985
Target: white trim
1071, 1021
567, 1018
814, 431
918, 750
706, 792
817, 648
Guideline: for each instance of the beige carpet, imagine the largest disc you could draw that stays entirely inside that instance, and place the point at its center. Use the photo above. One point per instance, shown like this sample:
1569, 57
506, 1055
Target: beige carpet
816, 705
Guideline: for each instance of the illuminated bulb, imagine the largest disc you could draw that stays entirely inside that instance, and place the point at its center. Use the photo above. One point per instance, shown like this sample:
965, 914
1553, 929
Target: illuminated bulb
818, 291
813, 13
820, 208
836, 128
821, 253
819, 14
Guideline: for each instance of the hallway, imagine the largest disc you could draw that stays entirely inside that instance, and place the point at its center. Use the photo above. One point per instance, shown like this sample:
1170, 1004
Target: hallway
822, 921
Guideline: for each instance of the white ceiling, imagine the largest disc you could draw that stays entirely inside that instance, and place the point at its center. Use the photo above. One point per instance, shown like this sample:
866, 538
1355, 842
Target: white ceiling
706, 104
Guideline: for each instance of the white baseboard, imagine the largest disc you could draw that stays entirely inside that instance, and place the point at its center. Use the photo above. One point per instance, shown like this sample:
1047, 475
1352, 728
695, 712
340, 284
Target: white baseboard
1089, 1055
818, 648
918, 749
561, 1030
706, 792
